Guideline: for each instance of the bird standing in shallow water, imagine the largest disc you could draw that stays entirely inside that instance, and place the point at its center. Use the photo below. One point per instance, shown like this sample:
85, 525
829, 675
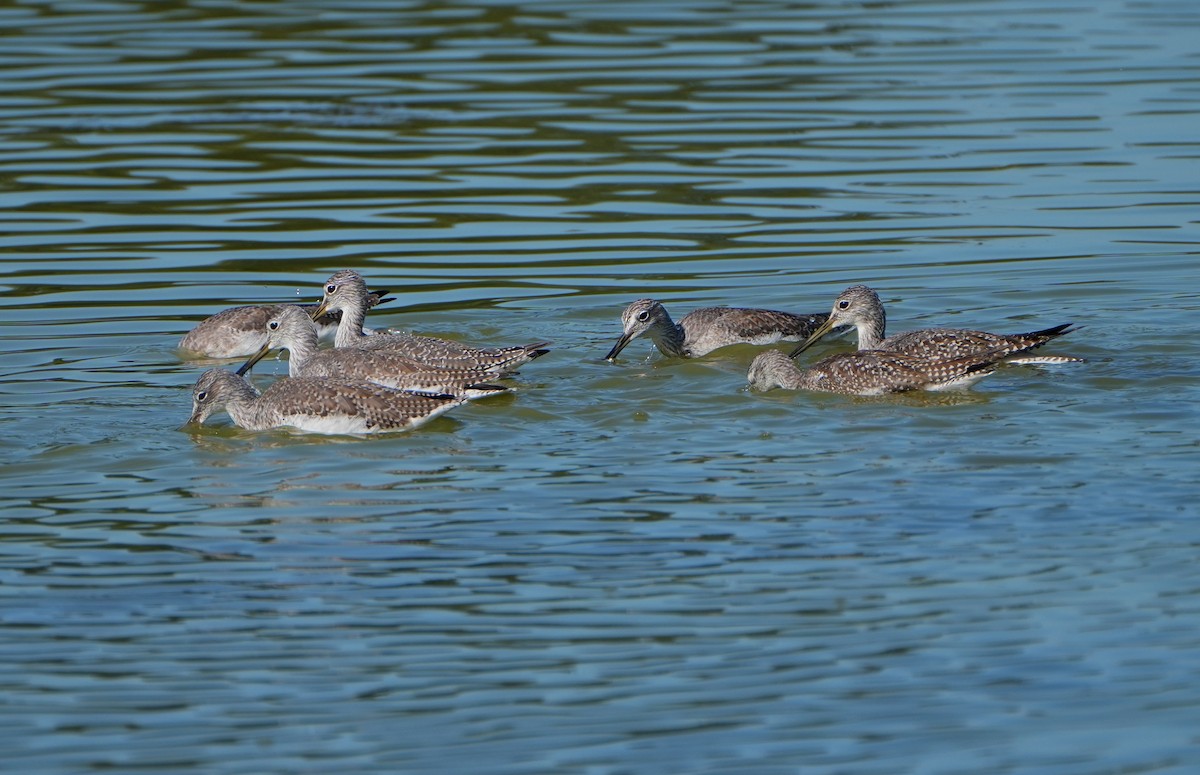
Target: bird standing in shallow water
703, 330
314, 405
238, 331
860, 306
291, 329
345, 292
870, 372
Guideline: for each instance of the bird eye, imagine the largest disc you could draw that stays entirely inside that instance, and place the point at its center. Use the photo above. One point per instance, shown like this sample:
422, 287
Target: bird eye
643, 315
273, 325
843, 304
202, 396
330, 288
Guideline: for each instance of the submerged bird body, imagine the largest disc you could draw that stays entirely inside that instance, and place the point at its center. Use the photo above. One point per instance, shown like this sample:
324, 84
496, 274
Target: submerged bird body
860, 306
231, 333
239, 331
870, 372
290, 329
706, 329
314, 405
345, 292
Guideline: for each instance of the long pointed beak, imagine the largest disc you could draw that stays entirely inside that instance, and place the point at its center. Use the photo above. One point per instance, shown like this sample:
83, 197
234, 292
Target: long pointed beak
193, 420
321, 309
625, 339
258, 356
821, 331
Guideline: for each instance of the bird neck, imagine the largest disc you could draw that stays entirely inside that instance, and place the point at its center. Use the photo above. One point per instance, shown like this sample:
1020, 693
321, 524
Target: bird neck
241, 402
668, 336
301, 348
872, 330
350, 328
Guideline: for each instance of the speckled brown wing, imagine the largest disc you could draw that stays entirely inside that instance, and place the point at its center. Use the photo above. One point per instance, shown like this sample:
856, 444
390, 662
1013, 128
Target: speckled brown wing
943, 372
445, 354
396, 371
950, 343
758, 324
248, 318
386, 408
229, 333
380, 406
869, 371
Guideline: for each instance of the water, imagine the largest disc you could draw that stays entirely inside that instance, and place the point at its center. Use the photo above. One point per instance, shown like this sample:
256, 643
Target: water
623, 568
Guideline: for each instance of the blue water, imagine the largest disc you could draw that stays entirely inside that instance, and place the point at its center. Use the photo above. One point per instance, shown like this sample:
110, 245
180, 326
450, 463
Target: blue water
631, 567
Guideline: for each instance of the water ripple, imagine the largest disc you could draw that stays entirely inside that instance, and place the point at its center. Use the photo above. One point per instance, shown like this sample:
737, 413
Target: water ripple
635, 567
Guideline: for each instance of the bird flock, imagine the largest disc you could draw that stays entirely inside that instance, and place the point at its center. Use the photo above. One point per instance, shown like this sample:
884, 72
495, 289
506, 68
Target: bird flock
374, 381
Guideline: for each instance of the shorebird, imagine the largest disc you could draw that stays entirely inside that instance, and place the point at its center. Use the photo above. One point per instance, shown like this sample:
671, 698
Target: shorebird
290, 328
346, 292
315, 405
870, 372
703, 330
238, 331
859, 306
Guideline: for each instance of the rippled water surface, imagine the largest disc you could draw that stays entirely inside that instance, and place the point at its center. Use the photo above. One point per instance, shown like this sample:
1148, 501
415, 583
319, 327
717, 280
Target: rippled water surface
630, 567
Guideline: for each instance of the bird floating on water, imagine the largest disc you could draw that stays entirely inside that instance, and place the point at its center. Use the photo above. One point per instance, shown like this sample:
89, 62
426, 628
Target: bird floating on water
870, 372
290, 328
706, 329
238, 331
860, 306
346, 292
315, 405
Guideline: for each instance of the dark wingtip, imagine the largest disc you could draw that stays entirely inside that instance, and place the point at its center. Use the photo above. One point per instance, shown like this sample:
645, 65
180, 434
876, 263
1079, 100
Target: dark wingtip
1058, 330
487, 386
536, 349
988, 365
437, 396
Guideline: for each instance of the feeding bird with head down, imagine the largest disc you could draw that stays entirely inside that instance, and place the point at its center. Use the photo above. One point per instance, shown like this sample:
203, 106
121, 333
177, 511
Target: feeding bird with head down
709, 328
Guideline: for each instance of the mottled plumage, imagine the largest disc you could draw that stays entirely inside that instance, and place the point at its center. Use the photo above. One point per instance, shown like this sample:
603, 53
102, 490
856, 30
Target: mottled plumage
291, 329
703, 330
345, 292
314, 405
239, 331
870, 372
859, 306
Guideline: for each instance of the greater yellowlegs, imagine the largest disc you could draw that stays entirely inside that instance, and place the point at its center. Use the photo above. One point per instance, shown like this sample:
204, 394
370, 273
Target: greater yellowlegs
291, 329
859, 306
238, 331
345, 292
703, 330
870, 372
315, 405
